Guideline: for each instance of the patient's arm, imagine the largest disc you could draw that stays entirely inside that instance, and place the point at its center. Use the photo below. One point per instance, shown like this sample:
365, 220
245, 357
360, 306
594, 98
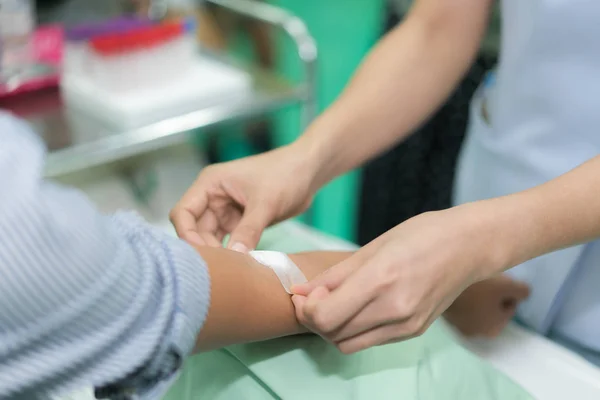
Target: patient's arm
248, 302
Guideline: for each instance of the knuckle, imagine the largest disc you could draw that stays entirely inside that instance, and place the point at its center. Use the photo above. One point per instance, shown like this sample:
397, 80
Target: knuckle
401, 309
172, 215
385, 278
414, 327
321, 322
418, 326
344, 349
420, 330
301, 318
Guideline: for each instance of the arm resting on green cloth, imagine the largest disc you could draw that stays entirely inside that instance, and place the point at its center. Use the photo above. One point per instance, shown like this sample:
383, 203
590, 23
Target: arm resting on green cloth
248, 302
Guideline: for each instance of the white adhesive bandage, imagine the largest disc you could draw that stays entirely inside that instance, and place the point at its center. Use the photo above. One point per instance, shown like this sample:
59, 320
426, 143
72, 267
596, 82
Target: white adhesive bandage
288, 273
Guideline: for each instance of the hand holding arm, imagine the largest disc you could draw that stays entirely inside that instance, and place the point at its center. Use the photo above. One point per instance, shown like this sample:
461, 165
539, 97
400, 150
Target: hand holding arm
248, 302
404, 79
393, 288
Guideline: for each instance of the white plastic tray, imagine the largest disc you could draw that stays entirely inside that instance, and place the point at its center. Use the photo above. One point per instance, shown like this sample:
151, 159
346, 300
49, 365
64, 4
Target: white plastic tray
205, 84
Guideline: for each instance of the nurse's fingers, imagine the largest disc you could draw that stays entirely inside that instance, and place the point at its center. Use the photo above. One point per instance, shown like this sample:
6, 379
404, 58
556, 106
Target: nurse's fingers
229, 218
371, 317
343, 304
333, 277
369, 339
228, 212
220, 235
255, 219
300, 306
300, 302
384, 334
329, 279
186, 214
208, 229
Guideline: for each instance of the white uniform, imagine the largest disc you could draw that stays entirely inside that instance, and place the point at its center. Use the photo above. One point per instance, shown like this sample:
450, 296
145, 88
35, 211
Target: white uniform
544, 120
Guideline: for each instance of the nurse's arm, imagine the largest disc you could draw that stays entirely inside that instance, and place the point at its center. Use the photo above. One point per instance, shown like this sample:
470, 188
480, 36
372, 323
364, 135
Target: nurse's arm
247, 301
404, 79
560, 213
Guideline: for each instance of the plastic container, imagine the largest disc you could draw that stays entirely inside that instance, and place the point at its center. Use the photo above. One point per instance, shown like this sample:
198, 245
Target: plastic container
77, 38
144, 57
206, 83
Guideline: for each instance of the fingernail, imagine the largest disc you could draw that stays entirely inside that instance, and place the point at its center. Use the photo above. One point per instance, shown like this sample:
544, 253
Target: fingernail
239, 247
299, 290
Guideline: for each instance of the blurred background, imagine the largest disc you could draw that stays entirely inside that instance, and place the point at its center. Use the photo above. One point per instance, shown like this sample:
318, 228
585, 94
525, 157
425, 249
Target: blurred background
134, 97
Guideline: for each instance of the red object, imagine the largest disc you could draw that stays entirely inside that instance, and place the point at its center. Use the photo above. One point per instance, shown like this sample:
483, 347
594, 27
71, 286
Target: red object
35, 84
138, 39
48, 45
47, 48
27, 104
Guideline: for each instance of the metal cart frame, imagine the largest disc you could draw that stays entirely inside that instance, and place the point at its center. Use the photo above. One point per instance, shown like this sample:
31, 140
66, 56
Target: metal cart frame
90, 144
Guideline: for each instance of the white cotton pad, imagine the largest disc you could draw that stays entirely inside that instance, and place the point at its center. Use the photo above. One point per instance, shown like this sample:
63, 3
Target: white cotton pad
288, 273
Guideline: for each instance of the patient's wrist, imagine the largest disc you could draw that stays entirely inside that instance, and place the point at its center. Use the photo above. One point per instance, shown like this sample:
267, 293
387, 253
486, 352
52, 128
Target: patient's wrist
310, 265
248, 302
314, 263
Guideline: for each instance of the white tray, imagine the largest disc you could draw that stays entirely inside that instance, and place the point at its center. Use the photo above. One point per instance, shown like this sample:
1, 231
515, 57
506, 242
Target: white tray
205, 84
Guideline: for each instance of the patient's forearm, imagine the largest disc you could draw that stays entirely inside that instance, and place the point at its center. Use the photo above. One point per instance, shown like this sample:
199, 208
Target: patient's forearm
248, 302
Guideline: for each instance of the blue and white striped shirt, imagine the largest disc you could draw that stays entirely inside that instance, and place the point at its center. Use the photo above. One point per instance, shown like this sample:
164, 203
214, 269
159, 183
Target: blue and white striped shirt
87, 299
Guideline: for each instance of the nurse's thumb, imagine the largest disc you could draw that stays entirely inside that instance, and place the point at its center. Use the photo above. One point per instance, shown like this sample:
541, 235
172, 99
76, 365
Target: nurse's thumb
246, 235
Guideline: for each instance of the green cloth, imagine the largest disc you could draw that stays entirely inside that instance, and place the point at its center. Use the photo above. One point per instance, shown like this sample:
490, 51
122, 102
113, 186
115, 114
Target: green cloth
432, 366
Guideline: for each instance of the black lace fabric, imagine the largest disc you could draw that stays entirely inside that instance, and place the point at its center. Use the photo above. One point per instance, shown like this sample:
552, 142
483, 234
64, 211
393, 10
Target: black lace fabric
417, 175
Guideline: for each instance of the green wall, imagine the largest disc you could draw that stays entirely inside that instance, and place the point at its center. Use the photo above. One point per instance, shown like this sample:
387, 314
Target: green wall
344, 31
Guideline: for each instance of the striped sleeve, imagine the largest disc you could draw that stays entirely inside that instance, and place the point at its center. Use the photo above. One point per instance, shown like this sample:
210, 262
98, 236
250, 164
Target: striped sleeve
87, 299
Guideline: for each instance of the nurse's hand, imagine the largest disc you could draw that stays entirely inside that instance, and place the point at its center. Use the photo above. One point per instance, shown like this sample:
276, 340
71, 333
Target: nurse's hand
485, 308
396, 286
243, 197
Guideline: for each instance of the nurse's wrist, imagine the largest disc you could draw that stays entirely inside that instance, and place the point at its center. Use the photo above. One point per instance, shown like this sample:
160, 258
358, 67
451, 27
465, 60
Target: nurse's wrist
317, 159
329, 144
509, 224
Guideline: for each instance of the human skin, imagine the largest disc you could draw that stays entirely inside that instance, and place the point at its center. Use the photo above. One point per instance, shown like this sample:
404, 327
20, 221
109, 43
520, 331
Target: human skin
248, 303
